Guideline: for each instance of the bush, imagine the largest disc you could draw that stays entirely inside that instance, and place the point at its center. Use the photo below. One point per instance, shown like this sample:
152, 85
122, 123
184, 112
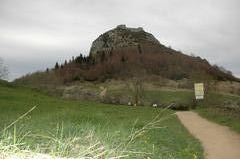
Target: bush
180, 105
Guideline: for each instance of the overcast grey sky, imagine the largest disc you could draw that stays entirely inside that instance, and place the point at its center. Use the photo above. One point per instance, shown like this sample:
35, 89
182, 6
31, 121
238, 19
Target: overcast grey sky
34, 34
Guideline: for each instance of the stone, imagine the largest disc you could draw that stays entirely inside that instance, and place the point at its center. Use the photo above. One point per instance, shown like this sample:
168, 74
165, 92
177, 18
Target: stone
122, 36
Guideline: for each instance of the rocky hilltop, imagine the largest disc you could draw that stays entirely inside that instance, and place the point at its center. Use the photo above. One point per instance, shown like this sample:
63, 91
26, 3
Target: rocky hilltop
122, 36
124, 53
121, 56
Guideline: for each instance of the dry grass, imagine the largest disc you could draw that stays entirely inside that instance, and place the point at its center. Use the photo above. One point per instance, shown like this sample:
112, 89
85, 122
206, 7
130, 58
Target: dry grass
86, 146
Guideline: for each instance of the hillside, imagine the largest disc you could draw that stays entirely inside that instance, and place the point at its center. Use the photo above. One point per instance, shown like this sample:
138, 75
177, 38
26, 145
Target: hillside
124, 53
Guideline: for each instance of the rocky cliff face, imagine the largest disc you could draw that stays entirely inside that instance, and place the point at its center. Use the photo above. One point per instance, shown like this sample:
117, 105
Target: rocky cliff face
122, 36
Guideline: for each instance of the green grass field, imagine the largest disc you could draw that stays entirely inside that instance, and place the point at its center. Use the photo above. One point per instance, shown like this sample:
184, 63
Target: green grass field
71, 128
212, 108
222, 117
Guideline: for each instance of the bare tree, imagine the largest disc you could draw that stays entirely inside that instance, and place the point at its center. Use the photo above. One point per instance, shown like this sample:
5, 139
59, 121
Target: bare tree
3, 70
137, 90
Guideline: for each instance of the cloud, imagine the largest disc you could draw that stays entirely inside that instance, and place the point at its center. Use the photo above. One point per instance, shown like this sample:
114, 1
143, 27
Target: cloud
43, 32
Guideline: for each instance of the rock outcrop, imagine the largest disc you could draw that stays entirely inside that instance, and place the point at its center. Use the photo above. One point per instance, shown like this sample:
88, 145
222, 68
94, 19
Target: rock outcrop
122, 36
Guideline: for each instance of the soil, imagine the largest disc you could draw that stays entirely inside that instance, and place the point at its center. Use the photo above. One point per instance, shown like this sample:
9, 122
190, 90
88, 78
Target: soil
219, 142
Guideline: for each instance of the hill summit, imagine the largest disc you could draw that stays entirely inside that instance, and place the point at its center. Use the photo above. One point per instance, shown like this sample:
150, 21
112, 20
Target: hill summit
122, 36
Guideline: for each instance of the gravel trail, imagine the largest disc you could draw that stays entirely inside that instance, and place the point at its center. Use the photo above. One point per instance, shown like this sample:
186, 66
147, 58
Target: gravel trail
219, 142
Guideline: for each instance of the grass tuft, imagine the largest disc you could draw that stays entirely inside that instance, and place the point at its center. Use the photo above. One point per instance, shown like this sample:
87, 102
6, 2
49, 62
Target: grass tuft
84, 146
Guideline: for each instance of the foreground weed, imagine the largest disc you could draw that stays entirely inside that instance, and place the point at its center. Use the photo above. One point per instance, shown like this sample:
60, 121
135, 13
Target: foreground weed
82, 144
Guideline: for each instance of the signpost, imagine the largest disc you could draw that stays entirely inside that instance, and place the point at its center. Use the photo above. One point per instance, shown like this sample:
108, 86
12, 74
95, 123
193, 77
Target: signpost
199, 91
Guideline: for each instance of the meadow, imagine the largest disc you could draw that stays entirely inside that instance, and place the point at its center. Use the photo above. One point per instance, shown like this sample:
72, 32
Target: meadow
223, 109
81, 129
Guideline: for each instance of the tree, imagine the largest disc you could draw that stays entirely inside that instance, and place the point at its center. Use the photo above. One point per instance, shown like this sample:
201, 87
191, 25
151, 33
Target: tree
137, 89
79, 59
65, 63
102, 56
56, 66
3, 70
123, 59
139, 49
224, 70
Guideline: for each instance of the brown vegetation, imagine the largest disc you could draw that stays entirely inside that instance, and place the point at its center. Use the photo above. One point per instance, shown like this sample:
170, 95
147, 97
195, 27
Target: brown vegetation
127, 62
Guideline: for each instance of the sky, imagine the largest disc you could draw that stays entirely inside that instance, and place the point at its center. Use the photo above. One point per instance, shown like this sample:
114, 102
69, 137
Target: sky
34, 34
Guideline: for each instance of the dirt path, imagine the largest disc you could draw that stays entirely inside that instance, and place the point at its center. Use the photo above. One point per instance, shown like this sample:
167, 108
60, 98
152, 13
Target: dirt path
219, 142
